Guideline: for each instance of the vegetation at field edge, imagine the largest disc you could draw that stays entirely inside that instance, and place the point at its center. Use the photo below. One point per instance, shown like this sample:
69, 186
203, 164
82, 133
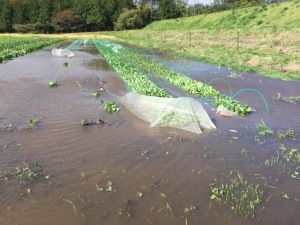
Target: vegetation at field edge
12, 47
261, 39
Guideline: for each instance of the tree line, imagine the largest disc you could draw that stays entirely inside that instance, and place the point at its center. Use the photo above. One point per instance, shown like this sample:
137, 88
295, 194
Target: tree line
49, 16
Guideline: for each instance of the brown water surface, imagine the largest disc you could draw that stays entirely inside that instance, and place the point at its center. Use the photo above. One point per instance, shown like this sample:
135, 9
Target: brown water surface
178, 168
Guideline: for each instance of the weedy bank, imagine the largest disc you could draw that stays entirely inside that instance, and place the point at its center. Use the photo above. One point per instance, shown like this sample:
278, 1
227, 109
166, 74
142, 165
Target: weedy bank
258, 39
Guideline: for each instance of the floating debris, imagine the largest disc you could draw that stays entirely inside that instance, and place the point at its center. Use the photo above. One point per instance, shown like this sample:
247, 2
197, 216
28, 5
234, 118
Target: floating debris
291, 99
87, 122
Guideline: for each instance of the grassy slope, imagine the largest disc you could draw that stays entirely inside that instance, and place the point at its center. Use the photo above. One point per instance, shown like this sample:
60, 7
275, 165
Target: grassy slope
269, 39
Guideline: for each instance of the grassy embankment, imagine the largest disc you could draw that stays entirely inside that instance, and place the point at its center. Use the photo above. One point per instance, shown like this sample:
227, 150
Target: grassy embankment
263, 40
65, 36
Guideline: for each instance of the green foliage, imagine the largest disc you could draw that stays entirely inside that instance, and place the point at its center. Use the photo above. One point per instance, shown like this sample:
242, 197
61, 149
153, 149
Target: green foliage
27, 28
53, 83
46, 16
229, 19
66, 21
133, 18
111, 107
33, 122
171, 9
6, 16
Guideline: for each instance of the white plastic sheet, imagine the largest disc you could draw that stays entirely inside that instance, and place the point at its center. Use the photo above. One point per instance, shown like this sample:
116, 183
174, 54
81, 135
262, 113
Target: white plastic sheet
183, 113
62, 52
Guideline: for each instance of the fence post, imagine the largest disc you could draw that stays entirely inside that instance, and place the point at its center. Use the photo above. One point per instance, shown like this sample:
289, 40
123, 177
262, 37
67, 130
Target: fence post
190, 38
238, 41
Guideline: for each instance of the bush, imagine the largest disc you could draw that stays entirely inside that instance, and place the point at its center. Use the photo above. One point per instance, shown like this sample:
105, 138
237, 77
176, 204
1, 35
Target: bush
26, 28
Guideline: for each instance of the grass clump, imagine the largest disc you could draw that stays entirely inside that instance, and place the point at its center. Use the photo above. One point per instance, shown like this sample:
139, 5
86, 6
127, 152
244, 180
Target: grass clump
263, 129
240, 196
287, 158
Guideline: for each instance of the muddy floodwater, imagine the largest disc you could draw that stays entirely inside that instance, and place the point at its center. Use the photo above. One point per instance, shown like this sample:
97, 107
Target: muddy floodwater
123, 171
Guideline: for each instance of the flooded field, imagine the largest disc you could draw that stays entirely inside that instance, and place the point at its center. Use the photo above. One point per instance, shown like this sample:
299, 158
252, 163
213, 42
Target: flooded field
56, 171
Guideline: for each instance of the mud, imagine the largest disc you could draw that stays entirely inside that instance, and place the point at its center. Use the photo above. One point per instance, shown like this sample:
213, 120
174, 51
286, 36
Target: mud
179, 167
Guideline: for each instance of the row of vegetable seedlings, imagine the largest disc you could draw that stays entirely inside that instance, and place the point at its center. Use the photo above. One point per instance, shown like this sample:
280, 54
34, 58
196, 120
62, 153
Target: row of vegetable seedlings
132, 76
12, 47
185, 83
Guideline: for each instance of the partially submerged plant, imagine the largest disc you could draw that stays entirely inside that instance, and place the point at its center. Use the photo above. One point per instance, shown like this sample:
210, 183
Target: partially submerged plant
150, 185
189, 209
111, 107
25, 174
235, 75
126, 209
262, 127
109, 187
83, 203
291, 99
33, 122
53, 83
287, 157
87, 122
239, 196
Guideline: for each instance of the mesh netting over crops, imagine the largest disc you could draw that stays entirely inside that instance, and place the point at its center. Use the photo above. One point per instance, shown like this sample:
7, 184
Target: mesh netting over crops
183, 113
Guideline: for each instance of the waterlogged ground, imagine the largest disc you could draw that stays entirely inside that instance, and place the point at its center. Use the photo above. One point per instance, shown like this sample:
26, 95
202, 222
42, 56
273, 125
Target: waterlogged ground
124, 172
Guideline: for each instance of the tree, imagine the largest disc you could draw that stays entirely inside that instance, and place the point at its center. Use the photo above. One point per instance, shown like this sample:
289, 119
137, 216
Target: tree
44, 19
66, 21
7, 16
128, 19
96, 16
168, 9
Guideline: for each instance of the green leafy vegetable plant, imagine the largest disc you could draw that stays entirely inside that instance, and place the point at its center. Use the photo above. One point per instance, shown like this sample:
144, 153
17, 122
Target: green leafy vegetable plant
111, 107
13, 47
53, 83
33, 122
131, 75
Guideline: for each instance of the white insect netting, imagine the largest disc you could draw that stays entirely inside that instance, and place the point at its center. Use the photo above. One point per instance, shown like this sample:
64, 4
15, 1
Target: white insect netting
62, 52
183, 113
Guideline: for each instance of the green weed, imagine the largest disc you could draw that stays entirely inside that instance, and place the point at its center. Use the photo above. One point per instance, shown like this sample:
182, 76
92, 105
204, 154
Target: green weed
264, 129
